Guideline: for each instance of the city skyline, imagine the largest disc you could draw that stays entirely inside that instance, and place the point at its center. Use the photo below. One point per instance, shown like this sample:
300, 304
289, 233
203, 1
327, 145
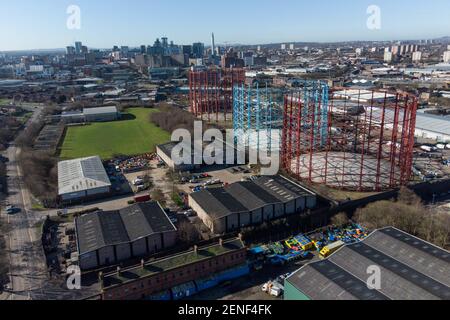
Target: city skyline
141, 23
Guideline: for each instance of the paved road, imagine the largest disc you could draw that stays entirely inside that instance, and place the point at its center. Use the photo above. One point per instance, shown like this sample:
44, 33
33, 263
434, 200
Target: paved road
28, 271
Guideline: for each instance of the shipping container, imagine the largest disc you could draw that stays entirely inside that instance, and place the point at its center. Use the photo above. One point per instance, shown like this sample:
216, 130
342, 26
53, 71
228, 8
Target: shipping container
161, 296
206, 283
234, 273
183, 291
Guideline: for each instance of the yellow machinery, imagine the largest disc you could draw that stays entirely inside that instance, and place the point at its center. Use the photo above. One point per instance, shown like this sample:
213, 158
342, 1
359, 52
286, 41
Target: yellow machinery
331, 248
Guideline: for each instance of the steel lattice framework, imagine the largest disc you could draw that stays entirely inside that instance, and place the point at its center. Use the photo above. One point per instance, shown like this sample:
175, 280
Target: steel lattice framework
211, 92
359, 140
257, 116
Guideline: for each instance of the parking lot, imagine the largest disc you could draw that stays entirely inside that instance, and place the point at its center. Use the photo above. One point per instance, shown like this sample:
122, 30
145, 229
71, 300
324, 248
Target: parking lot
431, 165
213, 178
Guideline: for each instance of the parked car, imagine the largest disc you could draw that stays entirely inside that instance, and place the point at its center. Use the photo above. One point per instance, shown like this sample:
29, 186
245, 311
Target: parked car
190, 213
184, 180
10, 209
141, 188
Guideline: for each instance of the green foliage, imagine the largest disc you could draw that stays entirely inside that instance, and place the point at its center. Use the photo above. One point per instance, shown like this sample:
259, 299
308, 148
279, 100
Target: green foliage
126, 137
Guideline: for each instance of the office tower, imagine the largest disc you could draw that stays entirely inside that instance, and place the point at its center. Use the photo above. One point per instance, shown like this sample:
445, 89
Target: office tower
78, 46
446, 57
165, 42
198, 49
70, 50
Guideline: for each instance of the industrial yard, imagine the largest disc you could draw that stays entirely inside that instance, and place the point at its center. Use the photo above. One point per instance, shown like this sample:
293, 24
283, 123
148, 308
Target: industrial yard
239, 168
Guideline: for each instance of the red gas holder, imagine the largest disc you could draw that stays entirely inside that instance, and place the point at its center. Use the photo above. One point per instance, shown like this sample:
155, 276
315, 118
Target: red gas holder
364, 143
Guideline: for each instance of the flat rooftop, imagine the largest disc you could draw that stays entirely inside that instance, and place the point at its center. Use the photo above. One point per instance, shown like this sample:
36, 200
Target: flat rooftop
172, 262
411, 269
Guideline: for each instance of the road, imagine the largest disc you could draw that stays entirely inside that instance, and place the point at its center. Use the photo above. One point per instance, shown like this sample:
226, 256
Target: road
28, 270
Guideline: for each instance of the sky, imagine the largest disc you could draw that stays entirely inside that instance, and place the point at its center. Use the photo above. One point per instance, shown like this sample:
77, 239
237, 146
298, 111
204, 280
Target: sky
42, 24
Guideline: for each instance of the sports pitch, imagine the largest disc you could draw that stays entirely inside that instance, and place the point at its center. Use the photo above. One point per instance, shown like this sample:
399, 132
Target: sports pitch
132, 136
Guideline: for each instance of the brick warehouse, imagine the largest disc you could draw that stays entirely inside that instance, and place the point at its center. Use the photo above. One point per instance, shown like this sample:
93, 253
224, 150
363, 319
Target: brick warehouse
149, 279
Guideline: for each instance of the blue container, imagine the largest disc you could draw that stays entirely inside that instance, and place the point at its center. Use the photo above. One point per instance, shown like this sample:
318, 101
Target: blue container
207, 283
161, 296
184, 290
234, 273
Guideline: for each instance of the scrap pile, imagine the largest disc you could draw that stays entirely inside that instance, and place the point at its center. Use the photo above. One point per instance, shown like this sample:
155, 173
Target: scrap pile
302, 246
348, 234
134, 164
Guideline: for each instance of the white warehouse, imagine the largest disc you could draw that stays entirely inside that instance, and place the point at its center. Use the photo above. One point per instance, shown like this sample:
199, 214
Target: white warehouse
82, 178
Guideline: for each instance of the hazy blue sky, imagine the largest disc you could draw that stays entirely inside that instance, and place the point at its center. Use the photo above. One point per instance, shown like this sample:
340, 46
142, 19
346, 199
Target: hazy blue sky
37, 24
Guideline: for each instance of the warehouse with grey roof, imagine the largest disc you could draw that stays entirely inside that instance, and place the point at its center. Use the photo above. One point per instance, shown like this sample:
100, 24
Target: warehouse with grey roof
250, 203
97, 114
82, 178
105, 238
410, 269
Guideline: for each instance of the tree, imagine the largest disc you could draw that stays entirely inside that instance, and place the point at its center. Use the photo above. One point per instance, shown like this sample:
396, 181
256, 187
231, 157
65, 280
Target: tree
407, 214
187, 232
158, 195
339, 220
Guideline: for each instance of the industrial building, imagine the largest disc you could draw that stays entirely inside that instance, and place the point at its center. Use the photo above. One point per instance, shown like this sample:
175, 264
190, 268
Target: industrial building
206, 266
211, 92
105, 238
433, 127
250, 203
82, 178
257, 117
164, 152
358, 140
100, 114
411, 269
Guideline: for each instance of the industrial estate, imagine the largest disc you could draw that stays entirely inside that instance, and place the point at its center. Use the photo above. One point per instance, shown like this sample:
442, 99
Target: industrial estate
90, 187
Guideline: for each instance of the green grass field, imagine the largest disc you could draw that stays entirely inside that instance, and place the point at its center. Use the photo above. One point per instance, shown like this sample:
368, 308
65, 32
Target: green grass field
125, 137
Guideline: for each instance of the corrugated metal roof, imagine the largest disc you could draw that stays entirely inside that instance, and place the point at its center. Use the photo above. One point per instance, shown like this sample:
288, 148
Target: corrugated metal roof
411, 269
100, 110
101, 229
81, 175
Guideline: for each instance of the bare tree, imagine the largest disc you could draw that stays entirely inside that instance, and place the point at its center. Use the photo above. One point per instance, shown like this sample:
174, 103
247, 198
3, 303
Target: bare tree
409, 215
340, 219
187, 232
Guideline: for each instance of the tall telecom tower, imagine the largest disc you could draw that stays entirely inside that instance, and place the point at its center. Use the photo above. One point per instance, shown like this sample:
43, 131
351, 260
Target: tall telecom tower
213, 45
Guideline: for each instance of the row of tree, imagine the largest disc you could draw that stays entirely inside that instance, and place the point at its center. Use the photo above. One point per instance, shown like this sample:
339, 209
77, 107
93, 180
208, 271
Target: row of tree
40, 174
170, 118
406, 213
39, 168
